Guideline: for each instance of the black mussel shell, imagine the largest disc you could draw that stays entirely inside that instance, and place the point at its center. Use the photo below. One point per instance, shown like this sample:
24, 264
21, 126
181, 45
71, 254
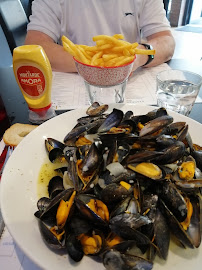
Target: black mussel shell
173, 199
91, 161
171, 154
49, 214
142, 156
74, 248
49, 238
81, 202
161, 234
197, 155
129, 205
157, 113
175, 227
114, 260
112, 120
43, 203
163, 141
183, 133
55, 186
130, 221
78, 130
54, 149
155, 125
78, 225
96, 109
194, 230
114, 193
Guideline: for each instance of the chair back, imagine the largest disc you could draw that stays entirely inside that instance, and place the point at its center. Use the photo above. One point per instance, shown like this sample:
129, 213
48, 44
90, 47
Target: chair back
27, 5
14, 22
5, 53
166, 3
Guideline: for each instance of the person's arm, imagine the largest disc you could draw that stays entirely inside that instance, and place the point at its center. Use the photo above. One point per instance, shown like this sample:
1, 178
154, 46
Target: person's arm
164, 45
162, 42
60, 60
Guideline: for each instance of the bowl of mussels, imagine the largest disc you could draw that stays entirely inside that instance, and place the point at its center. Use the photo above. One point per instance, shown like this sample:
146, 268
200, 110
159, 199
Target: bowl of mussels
112, 187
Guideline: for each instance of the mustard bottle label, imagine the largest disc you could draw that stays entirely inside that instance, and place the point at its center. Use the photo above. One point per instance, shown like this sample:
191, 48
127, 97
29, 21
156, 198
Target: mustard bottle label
31, 80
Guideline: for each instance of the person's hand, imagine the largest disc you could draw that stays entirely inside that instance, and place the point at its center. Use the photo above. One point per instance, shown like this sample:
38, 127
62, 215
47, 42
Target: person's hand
140, 59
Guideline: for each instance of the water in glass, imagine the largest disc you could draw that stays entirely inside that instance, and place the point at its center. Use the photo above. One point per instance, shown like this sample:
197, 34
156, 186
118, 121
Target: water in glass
176, 95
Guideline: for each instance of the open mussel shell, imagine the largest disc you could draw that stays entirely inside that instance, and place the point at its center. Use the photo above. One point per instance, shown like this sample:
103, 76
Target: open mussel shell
129, 205
93, 242
70, 178
55, 186
49, 238
181, 136
88, 167
96, 109
54, 149
128, 227
117, 152
189, 186
148, 169
114, 260
91, 161
83, 204
193, 230
112, 120
186, 175
49, 213
155, 125
176, 228
173, 199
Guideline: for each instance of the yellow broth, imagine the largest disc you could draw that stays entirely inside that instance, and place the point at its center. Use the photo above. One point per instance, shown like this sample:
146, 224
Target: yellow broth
47, 172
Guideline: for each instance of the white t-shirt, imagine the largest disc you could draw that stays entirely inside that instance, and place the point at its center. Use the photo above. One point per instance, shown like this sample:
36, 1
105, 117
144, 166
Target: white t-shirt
80, 20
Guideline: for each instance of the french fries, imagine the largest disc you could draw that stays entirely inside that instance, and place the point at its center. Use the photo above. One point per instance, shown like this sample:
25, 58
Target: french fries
109, 51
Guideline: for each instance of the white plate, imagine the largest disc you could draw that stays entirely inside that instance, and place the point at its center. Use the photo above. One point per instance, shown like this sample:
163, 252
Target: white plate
19, 196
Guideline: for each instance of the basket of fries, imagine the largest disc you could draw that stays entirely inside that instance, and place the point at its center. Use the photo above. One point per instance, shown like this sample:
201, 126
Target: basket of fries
106, 64
104, 76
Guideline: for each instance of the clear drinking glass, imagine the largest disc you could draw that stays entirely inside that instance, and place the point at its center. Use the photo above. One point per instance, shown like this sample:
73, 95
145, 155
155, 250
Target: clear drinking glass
105, 84
106, 94
177, 90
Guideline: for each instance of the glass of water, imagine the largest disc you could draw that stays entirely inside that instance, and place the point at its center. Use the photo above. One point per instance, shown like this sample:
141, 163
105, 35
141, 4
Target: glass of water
177, 90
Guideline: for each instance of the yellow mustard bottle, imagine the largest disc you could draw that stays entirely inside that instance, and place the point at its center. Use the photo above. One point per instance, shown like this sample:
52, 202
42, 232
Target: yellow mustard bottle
33, 74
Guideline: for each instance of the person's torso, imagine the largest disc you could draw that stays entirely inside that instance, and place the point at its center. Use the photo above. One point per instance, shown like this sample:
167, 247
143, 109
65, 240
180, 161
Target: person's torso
82, 20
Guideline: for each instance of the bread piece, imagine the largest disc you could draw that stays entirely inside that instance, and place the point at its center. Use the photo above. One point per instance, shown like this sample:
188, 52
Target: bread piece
15, 134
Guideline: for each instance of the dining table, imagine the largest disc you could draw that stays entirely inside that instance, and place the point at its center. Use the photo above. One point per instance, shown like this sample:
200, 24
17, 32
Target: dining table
187, 56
